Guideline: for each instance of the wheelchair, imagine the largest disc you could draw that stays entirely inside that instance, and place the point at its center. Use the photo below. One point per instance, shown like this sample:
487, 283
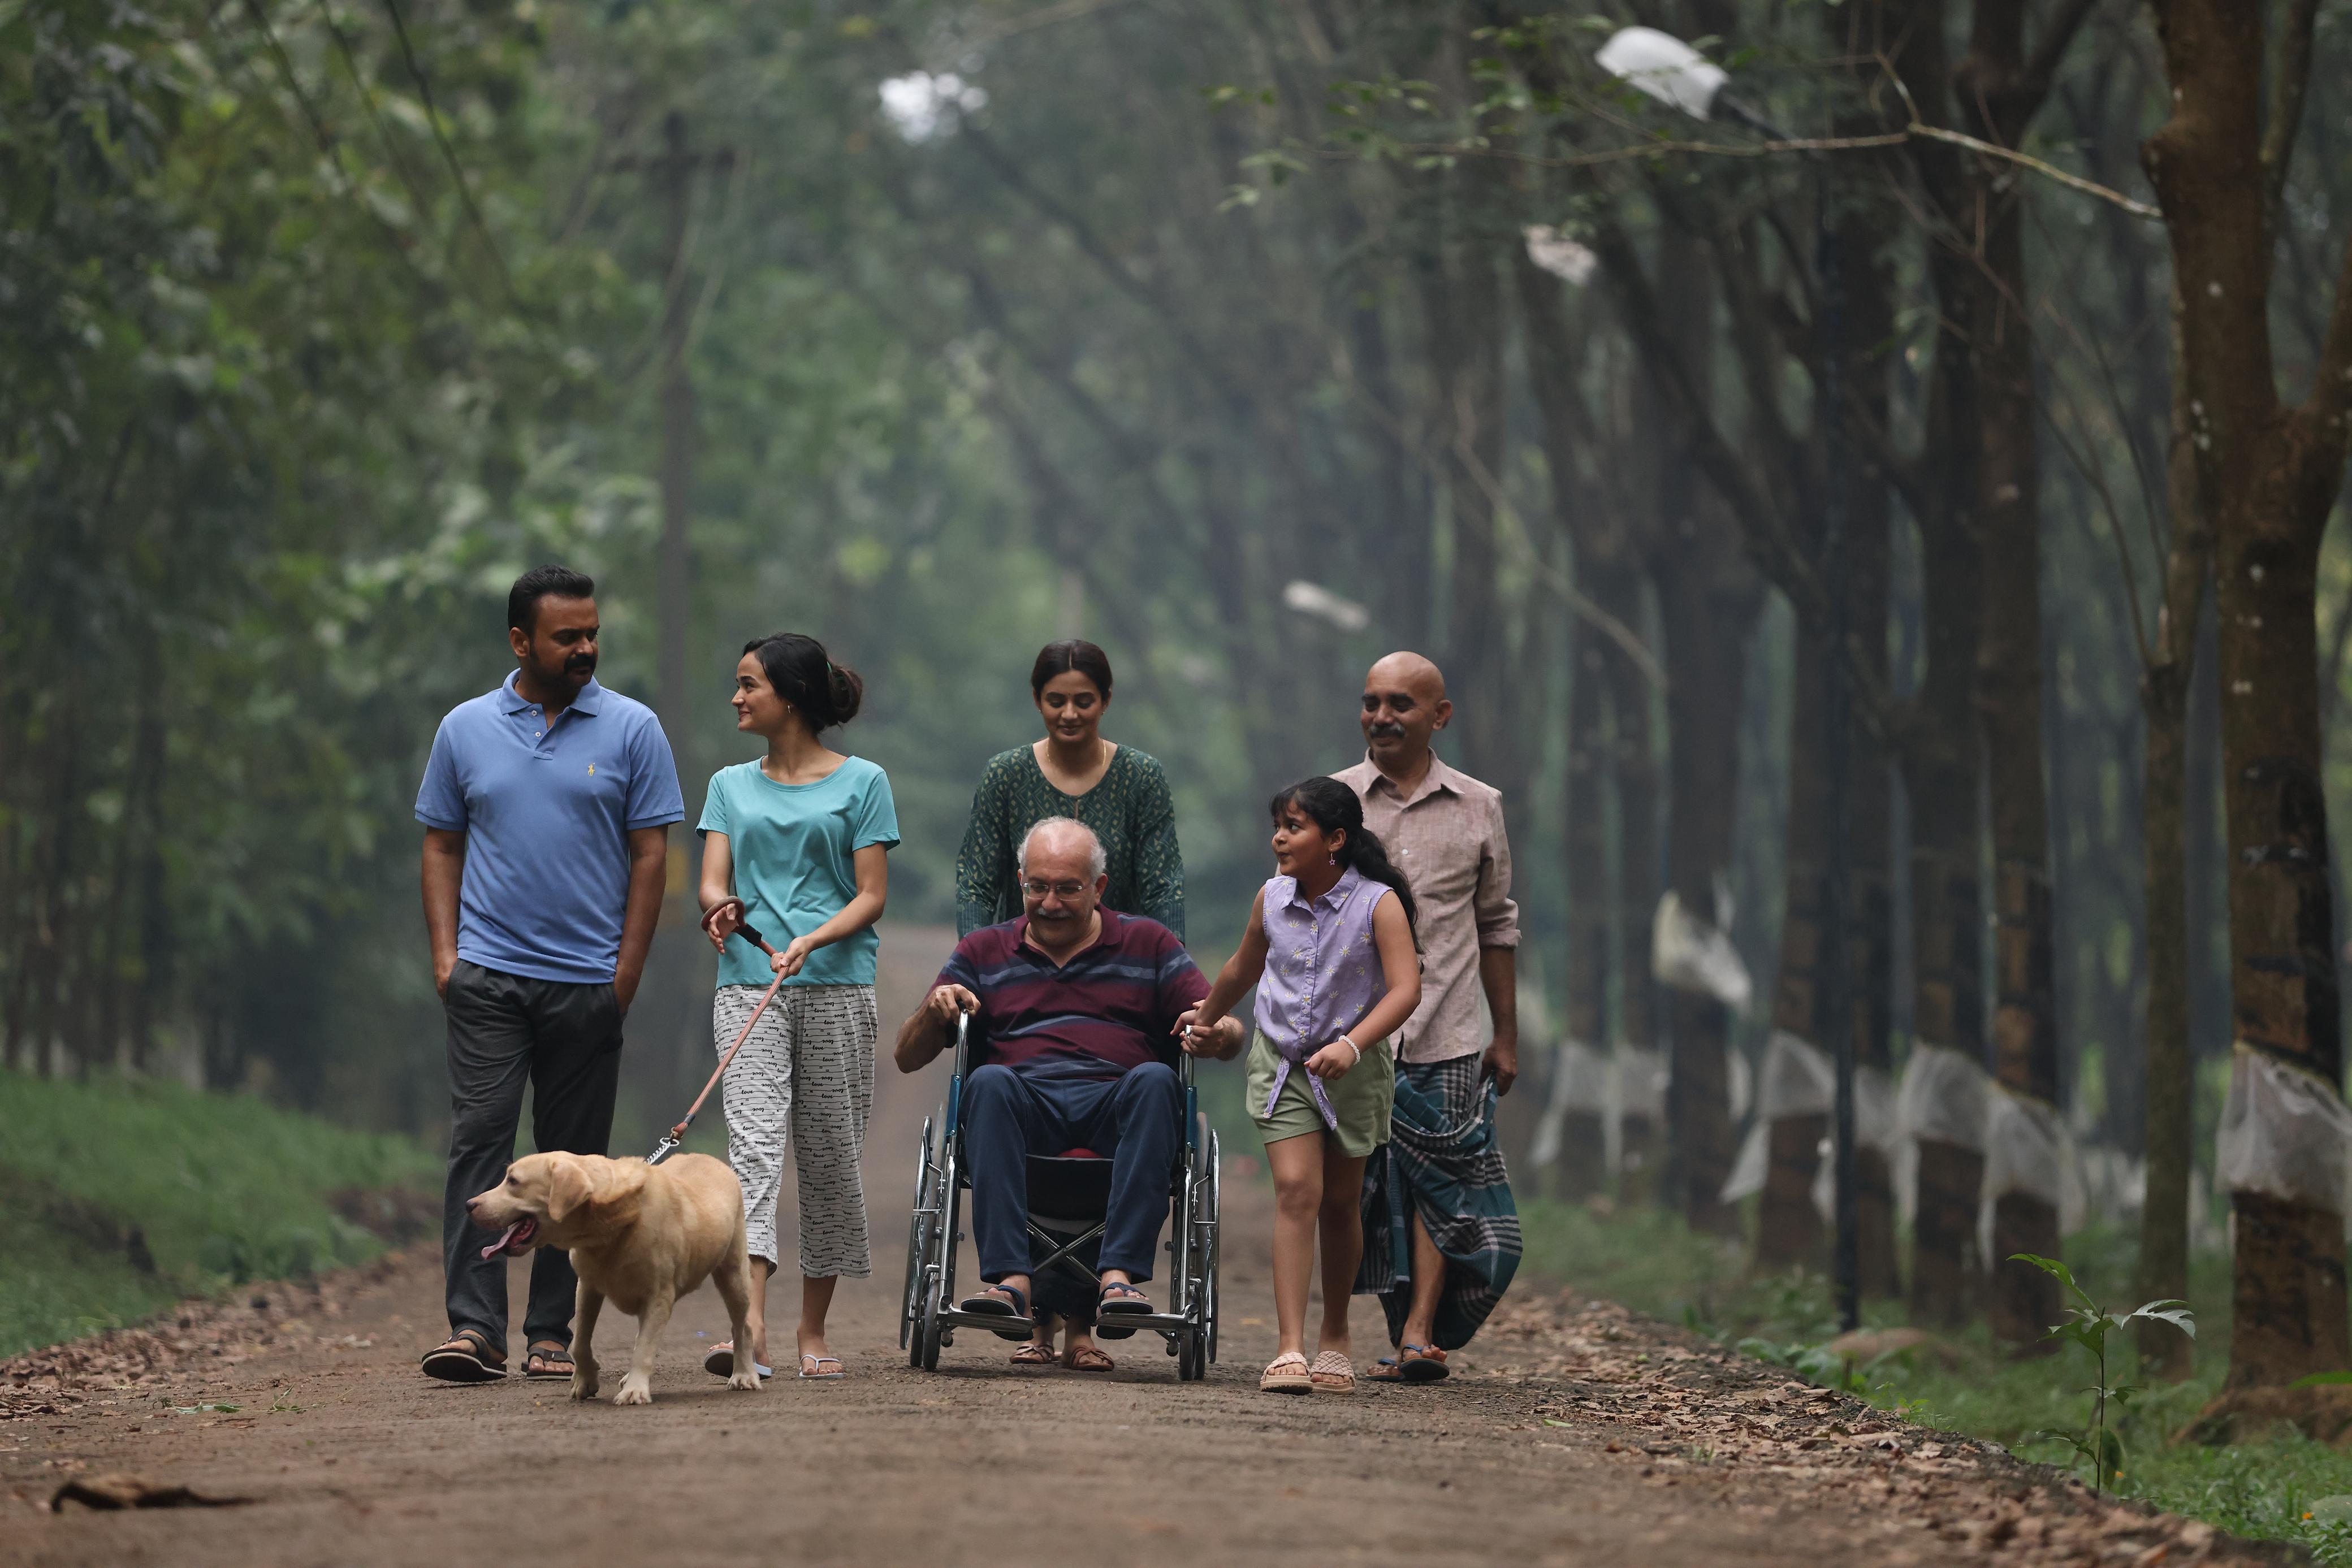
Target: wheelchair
1068, 1197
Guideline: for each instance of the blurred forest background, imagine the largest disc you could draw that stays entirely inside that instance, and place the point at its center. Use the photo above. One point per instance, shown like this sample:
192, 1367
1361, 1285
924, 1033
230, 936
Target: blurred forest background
1249, 340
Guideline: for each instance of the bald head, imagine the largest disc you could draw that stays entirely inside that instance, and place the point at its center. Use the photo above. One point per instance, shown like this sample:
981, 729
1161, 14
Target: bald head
1404, 705
1410, 672
1062, 881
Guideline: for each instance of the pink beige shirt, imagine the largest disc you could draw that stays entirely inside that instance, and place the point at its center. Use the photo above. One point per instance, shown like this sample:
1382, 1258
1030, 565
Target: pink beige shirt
1447, 838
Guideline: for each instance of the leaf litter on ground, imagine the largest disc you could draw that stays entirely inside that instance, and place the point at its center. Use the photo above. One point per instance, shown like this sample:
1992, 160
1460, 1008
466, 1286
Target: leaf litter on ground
1687, 1412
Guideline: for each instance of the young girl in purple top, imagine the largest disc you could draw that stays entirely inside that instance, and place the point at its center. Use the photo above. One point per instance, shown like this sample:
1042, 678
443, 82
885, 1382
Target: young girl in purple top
1329, 948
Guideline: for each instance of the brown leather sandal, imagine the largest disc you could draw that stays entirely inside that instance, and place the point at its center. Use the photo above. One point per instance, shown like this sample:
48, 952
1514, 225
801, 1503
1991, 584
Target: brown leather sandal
466, 1356
547, 1359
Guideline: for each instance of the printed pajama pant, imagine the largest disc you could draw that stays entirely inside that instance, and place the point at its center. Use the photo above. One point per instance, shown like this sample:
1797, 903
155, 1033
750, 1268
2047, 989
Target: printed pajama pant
804, 1078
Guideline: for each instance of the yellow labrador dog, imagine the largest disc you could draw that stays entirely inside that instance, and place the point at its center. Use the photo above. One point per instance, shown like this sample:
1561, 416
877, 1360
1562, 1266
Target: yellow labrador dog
641, 1236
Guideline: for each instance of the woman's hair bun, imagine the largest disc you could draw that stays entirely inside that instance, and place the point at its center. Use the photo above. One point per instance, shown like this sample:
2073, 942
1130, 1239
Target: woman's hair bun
847, 691
798, 667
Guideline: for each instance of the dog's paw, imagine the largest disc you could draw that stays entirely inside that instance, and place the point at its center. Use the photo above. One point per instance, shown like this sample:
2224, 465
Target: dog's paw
744, 1378
636, 1389
583, 1382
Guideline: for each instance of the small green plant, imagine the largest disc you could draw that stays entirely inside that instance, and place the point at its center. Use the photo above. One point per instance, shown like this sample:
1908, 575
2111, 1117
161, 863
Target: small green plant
2088, 1325
1816, 1364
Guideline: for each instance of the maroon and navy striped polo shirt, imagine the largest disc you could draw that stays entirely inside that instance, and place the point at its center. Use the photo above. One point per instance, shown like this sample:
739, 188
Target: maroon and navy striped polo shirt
1114, 1003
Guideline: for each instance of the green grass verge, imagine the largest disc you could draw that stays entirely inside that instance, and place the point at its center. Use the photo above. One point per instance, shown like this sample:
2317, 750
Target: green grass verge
1650, 1261
221, 1189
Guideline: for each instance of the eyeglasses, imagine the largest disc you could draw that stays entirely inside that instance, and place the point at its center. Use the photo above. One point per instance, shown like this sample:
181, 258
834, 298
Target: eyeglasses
1037, 889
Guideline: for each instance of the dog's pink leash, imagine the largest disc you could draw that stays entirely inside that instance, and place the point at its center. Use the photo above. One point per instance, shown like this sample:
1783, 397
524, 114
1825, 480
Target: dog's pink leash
744, 928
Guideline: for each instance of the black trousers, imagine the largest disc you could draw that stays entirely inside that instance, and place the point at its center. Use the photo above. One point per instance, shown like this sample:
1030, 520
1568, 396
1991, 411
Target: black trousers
565, 1040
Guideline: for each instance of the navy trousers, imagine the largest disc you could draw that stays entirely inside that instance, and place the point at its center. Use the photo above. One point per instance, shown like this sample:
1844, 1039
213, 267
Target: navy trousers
1136, 1121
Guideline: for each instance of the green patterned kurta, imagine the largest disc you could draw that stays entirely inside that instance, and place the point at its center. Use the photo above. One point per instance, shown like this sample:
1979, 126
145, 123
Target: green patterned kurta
1129, 811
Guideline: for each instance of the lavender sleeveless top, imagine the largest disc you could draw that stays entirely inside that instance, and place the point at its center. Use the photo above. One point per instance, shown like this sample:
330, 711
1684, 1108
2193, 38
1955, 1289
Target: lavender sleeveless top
1322, 974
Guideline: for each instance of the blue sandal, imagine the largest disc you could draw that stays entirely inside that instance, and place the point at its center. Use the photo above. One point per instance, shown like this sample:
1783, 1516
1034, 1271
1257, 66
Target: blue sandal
1119, 1300
1013, 1306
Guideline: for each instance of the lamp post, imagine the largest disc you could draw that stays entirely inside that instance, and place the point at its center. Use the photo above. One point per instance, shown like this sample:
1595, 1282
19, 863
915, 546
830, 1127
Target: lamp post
1670, 70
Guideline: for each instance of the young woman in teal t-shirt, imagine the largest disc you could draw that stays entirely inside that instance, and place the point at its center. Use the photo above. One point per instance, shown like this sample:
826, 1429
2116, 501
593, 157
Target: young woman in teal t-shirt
802, 838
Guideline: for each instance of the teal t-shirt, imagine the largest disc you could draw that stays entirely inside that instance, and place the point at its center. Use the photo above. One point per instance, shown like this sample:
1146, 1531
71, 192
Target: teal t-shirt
793, 845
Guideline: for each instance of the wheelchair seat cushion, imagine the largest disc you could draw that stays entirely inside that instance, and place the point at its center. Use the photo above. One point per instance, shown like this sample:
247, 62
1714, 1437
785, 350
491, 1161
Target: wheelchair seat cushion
1068, 1187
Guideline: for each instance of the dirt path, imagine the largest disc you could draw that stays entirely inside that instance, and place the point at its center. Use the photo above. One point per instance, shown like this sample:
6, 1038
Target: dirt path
1575, 1435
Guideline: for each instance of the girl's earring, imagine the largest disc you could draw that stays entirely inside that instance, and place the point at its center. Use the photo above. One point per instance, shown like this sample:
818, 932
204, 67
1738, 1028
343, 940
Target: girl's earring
1332, 859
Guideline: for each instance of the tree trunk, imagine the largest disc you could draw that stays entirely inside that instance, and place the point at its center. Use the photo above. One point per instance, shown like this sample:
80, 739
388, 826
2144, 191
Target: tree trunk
2171, 1073
1641, 1138
2266, 478
1942, 773
2171, 1067
2008, 693
1869, 325
1707, 623
1584, 1157
1788, 1228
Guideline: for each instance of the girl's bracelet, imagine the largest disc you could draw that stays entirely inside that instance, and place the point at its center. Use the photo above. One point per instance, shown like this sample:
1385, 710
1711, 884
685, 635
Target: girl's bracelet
1351, 1045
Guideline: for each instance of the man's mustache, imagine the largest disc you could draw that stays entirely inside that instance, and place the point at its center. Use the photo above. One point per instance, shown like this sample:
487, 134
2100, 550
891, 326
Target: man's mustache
1388, 729
581, 662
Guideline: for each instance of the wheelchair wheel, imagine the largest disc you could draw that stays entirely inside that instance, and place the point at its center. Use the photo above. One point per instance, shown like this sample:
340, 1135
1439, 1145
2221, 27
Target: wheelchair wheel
939, 1293
1191, 1357
926, 1333
1208, 1265
910, 1296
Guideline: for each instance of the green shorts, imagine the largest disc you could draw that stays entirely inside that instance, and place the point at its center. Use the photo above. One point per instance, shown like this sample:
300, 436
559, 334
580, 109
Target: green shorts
1360, 1098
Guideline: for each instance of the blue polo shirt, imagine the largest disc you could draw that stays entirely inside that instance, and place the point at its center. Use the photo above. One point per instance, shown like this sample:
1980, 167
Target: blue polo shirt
547, 810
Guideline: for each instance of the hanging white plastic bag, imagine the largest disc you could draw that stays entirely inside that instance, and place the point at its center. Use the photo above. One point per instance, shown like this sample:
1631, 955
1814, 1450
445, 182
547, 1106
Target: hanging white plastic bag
1638, 1085
2283, 1133
1797, 1079
1690, 954
1642, 1079
1875, 1126
1945, 1096
1579, 1082
2029, 1151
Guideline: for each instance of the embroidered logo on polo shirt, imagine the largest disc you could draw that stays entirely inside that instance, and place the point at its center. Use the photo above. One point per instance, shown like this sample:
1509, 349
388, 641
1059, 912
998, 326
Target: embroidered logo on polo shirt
592, 771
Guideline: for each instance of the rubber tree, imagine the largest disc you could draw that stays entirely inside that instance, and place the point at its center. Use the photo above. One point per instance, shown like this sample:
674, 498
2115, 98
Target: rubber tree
1983, 524
1708, 599
2265, 474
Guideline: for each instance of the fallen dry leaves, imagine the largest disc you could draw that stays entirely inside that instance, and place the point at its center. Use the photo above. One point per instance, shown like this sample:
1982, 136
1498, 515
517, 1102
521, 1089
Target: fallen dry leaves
1682, 1412
211, 1332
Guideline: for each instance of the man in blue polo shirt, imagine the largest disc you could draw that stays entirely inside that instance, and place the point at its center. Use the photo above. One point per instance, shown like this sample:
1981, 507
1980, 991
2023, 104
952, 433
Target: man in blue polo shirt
1076, 1008
546, 806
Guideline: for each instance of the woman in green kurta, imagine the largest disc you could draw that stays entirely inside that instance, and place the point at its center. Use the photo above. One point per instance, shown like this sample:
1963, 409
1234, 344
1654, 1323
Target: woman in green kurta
1121, 794
1117, 790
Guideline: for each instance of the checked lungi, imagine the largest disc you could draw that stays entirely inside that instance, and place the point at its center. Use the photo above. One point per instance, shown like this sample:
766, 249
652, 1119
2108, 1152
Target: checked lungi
1441, 1158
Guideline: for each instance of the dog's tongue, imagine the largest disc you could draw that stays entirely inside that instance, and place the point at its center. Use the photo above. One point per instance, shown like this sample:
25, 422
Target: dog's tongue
500, 1245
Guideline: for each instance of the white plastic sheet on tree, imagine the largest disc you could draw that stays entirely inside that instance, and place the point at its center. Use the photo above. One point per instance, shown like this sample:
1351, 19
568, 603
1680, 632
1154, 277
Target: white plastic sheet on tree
1637, 1082
1642, 1079
1797, 1079
1579, 1082
2114, 1183
1876, 1126
1946, 1096
1690, 954
2028, 1151
2283, 1133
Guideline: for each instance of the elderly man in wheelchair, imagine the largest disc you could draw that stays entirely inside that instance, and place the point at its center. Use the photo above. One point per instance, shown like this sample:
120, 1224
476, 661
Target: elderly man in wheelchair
1073, 1013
